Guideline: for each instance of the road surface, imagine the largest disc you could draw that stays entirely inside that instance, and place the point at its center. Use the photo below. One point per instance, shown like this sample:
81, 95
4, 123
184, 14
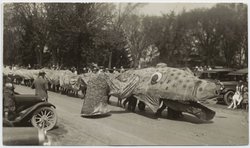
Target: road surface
229, 127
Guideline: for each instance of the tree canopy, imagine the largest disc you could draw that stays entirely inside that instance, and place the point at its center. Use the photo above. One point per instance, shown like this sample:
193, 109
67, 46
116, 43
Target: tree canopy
76, 34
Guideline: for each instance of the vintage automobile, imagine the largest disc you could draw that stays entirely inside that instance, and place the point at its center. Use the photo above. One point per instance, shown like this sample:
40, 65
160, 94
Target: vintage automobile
229, 82
32, 109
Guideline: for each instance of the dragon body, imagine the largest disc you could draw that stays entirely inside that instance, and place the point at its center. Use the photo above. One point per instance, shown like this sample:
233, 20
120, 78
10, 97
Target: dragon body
179, 89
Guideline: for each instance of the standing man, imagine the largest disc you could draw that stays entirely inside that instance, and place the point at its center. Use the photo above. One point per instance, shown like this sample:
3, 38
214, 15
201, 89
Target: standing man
41, 86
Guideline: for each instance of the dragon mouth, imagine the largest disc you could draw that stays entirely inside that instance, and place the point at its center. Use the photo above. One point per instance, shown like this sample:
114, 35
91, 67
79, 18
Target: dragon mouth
192, 107
205, 99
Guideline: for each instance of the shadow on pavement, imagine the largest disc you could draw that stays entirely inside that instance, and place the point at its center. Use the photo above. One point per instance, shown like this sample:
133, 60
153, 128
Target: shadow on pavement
119, 112
185, 118
97, 116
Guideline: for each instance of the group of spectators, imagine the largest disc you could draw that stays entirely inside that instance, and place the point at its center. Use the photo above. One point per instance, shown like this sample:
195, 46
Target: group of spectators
197, 70
202, 68
15, 67
97, 69
90, 69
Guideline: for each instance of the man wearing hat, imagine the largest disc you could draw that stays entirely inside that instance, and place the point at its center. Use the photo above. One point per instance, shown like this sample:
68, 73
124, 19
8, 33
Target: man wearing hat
41, 86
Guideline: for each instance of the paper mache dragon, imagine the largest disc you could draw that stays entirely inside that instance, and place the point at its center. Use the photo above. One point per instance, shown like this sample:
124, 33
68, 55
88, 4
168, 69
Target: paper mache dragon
179, 90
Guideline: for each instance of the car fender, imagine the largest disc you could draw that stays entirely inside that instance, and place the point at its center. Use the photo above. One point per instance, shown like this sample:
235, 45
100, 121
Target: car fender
27, 112
225, 90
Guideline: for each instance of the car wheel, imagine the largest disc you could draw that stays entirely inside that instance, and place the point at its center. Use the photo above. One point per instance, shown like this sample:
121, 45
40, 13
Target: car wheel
44, 118
228, 97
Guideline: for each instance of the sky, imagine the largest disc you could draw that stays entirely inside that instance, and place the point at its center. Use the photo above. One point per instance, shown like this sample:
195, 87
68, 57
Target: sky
159, 8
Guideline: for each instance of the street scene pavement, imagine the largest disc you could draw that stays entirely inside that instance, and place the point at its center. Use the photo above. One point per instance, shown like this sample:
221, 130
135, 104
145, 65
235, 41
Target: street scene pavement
120, 127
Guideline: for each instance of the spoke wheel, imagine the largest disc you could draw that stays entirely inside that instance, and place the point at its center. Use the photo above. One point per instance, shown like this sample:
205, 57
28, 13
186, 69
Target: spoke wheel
44, 118
228, 97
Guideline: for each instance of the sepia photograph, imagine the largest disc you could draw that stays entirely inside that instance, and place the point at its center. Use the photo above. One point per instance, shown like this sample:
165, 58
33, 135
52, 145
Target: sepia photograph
125, 73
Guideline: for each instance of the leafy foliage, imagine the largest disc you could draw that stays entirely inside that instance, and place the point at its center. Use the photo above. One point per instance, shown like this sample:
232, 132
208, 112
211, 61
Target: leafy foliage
76, 34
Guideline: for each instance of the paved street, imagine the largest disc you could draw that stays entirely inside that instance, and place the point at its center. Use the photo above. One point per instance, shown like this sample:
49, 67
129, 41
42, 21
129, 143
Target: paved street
229, 127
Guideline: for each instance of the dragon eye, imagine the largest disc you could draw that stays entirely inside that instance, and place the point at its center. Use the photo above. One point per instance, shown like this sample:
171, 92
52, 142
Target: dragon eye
156, 77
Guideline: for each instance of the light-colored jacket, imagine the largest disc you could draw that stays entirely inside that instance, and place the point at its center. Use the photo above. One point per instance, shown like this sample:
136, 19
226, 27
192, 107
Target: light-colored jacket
41, 87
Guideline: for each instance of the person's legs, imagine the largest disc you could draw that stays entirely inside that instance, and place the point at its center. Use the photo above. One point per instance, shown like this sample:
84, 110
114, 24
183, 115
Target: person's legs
141, 106
125, 102
119, 102
231, 105
239, 100
108, 101
173, 114
234, 103
233, 100
132, 104
159, 111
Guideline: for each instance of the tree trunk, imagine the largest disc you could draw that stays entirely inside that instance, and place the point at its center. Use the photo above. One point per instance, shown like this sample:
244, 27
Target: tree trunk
54, 59
110, 59
39, 55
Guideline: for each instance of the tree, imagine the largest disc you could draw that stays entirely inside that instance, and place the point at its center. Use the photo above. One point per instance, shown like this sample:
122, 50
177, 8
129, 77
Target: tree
136, 37
11, 36
165, 34
29, 21
75, 34
122, 21
232, 29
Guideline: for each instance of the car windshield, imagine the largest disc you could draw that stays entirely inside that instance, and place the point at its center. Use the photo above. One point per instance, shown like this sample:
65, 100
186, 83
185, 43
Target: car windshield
222, 76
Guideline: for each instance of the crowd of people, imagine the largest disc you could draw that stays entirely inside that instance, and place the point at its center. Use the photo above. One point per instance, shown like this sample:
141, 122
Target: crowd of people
97, 69
202, 68
41, 87
94, 68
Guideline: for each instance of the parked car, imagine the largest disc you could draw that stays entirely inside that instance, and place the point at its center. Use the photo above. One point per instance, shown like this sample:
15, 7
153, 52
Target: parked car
31, 108
228, 82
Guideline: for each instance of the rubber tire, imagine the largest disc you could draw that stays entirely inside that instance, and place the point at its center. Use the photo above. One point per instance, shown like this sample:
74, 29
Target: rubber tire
33, 122
227, 100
